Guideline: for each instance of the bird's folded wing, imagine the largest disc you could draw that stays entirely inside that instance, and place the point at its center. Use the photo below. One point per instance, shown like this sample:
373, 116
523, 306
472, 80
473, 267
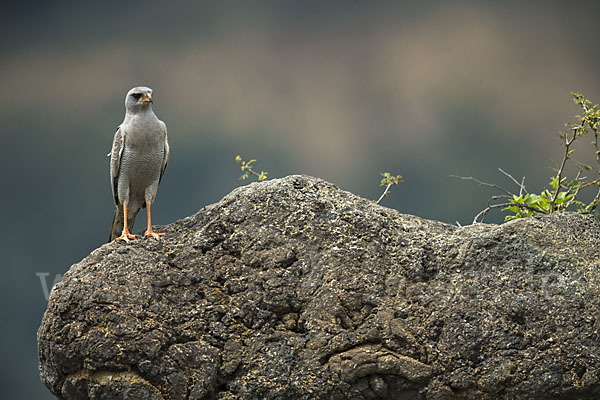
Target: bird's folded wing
115, 161
166, 152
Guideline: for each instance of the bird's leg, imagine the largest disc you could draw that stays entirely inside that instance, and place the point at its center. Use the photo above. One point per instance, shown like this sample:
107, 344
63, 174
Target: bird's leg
149, 231
125, 235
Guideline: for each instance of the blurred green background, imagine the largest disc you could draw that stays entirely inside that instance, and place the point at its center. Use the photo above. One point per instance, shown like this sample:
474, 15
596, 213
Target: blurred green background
342, 90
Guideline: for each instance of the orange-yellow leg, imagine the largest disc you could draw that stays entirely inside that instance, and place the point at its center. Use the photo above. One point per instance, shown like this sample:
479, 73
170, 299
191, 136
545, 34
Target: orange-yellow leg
125, 236
149, 231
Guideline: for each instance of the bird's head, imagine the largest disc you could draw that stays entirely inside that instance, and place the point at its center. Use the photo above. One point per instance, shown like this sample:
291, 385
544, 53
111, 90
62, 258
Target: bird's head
138, 98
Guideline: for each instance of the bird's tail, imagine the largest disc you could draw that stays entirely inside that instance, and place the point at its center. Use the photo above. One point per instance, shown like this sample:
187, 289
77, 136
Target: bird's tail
117, 225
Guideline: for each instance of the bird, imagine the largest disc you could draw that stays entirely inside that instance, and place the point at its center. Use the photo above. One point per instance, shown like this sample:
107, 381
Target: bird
138, 159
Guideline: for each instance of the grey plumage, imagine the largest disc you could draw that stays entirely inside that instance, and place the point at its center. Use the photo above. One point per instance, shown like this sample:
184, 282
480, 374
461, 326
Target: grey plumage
138, 159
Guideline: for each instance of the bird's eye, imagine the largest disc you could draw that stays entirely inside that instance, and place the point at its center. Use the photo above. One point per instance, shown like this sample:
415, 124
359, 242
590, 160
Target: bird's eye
136, 95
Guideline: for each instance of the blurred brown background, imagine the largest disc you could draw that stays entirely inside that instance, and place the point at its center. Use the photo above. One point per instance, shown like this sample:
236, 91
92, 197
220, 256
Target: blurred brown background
342, 90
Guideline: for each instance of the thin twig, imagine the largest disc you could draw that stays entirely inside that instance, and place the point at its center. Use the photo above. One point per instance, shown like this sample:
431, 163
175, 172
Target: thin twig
388, 181
491, 206
520, 184
568, 143
481, 183
252, 172
595, 181
385, 192
594, 203
585, 112
247, 169
592, 206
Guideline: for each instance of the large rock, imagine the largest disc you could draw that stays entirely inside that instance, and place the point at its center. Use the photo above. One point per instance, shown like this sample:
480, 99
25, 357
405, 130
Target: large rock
295, 289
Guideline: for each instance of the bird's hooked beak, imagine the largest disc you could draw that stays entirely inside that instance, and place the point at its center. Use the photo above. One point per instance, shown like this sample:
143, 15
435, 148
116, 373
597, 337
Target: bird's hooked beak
147, 98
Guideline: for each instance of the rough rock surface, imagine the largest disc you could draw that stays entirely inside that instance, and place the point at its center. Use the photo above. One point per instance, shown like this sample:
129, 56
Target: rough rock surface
295, 289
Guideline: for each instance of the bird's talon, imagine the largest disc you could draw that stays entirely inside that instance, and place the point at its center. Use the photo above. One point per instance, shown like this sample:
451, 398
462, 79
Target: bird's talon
154, 235
125, 237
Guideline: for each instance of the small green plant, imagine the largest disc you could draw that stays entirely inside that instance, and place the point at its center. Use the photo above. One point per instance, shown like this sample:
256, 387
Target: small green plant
388, 181
246, 167
562, 192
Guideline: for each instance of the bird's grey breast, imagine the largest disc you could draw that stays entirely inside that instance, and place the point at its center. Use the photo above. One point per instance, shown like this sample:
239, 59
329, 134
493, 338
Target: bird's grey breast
143, 152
